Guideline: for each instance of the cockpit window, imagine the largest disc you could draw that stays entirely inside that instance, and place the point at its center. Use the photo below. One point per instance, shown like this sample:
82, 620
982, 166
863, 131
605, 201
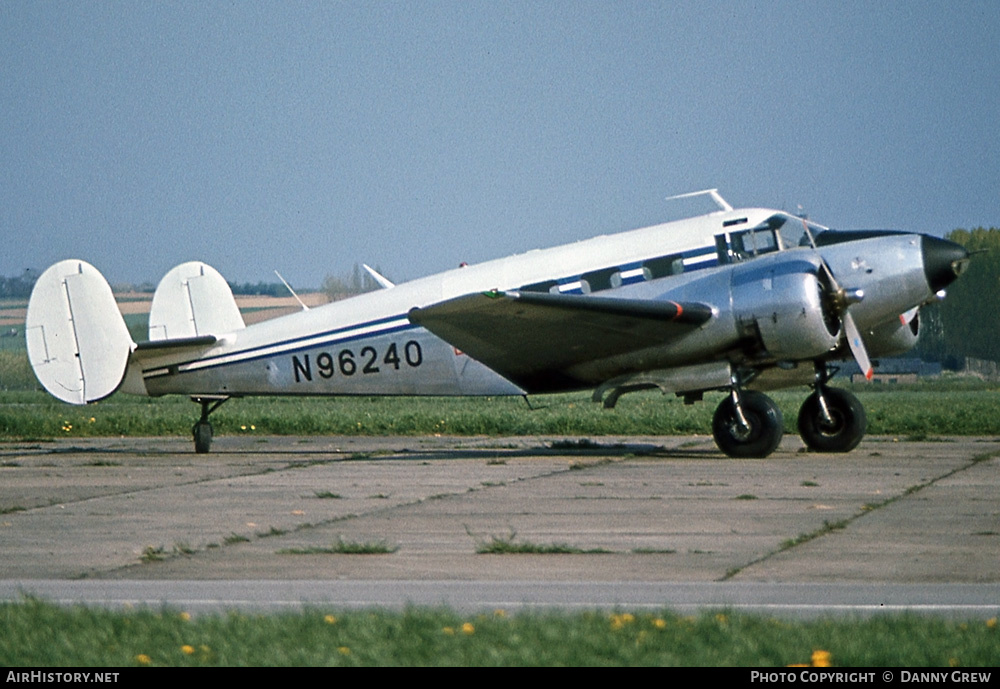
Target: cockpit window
760, 240
792, 230
778, 233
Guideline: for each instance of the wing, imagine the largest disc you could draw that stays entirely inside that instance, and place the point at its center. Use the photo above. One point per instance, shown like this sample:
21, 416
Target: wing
534, 339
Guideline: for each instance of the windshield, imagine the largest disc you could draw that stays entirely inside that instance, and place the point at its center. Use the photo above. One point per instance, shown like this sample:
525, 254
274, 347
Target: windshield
779, 232
792, 230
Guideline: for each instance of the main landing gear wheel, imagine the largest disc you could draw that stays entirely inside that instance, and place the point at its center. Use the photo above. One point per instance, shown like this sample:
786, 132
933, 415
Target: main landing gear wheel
756, 434
840, 429
202, 430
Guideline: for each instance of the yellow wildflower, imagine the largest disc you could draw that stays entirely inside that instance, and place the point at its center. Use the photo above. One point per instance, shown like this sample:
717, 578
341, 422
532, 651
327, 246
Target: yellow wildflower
467, 628
187, 650
450, 631
186, 616
619, 621
660, 623
991, 623
143, 659
821, 658
500, 612
344, 651
330, 619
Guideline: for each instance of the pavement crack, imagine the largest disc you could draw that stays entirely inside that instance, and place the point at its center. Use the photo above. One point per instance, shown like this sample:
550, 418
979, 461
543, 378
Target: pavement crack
866, 509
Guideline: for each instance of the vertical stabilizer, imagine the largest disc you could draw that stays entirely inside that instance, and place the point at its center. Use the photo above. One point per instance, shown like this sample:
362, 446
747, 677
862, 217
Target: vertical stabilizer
193, 300
77, 340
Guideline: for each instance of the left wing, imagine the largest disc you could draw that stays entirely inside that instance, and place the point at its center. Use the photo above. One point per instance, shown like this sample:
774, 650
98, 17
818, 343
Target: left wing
533, 338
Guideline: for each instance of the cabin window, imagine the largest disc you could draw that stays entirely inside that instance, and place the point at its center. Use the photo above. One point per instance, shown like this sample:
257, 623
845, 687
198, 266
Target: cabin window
664, 266
540, 286
600, 279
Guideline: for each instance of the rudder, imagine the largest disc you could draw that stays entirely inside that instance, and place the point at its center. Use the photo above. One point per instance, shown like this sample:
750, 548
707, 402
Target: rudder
78, 344
193, 300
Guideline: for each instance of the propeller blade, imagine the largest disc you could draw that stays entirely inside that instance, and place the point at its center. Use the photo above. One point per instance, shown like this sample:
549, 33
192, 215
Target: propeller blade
907, 317
857, 346
844, 298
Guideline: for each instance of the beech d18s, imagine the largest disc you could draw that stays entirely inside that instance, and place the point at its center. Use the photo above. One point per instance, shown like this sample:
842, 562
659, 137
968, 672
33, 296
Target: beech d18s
736, 300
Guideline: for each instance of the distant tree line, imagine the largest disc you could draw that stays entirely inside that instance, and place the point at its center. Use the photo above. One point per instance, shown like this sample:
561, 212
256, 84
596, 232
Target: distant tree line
358, 282
18, 287
265, 289
967, 322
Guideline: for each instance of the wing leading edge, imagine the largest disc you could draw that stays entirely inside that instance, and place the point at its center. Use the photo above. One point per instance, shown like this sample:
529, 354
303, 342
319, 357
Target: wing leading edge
534, 339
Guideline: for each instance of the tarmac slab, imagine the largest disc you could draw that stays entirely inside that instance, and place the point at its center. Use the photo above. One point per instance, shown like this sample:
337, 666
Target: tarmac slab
639, 509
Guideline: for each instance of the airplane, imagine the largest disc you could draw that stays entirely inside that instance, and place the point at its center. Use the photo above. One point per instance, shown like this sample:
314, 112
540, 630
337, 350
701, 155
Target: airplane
736, 300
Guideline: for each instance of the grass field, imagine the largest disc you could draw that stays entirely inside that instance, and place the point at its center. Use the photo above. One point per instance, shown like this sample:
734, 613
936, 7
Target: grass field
40, 634
916, 412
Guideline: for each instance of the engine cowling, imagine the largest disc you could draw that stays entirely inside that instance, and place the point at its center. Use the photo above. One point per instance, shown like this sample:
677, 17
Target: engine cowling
787, 312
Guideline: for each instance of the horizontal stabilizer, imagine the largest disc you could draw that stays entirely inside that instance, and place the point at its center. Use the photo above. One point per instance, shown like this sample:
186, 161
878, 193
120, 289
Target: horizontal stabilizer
533, 338
193, 300
176, 344
78, 344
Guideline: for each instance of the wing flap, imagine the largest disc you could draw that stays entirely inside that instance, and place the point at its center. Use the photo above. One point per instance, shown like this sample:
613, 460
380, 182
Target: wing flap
534, 338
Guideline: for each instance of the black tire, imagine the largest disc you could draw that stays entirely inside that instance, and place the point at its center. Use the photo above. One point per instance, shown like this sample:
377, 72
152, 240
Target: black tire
767, 425
202, 432
849, 422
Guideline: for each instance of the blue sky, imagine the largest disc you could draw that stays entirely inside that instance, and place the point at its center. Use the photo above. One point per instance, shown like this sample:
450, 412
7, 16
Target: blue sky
310, 136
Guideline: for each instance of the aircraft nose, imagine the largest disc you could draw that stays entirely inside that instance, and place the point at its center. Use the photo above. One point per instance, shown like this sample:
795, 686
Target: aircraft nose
944, 261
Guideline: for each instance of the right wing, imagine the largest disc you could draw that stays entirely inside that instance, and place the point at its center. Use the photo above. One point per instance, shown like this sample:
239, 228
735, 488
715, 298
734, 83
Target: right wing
534, 339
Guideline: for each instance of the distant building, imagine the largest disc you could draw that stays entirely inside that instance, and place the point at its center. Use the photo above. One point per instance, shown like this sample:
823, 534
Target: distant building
893, 370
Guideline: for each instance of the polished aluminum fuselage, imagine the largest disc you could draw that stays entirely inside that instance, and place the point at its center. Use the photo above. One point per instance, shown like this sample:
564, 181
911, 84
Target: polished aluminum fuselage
767, 313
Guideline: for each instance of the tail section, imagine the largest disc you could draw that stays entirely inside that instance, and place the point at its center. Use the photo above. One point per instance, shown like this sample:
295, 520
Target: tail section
78, 344
193, 300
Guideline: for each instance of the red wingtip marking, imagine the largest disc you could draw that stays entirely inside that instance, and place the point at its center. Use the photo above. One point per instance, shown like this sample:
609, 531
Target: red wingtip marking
680, 310
869, 374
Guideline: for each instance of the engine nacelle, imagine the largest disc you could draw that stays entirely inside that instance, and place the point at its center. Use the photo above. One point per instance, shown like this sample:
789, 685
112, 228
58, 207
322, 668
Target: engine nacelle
785, 309
893, 338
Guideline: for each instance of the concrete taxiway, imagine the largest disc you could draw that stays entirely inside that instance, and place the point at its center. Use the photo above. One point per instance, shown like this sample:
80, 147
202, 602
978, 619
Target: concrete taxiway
646, 521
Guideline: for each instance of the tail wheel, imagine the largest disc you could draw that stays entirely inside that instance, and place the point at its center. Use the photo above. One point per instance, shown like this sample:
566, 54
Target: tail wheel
844, 428
202, 432
762, 432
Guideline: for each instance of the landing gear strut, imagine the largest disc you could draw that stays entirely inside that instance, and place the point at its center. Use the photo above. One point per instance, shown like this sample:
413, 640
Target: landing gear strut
747, 424
202, 429
831, 419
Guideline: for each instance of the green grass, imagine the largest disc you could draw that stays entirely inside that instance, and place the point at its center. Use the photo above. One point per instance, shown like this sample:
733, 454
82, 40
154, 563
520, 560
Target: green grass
503, 547
342, 547
38, 634
509, 545
929, 410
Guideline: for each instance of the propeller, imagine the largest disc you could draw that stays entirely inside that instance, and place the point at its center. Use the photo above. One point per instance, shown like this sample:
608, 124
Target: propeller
842, 299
